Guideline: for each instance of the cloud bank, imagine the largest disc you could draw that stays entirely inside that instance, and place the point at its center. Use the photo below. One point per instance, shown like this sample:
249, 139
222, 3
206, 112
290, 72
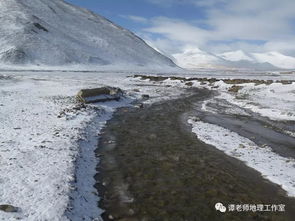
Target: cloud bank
252, 26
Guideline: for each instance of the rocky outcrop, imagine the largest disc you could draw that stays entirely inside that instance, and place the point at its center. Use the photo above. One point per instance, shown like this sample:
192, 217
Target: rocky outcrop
14, 56
8, 208
102, 94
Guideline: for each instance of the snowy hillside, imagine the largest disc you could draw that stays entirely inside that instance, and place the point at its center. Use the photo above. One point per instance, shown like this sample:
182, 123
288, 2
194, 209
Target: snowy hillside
55, 33
274, 58
235, 56
277, 59
196, 58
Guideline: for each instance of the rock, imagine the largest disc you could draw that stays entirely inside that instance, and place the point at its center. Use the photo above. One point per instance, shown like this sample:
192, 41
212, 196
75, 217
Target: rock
145, 96
37, 25
286, 82
131, 212
264, 146
79, 107
152, 136
235, 88
242, 146
189, 84
139, 106
102, 94
14, 56
195, 119
8, 208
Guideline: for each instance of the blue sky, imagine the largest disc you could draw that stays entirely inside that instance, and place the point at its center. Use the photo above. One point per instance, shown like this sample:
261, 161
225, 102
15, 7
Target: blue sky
216, 26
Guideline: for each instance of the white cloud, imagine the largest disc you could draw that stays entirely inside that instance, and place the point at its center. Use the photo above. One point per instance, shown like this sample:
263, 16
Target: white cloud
287, 46
235, 21
252, 19
207, 3
136, 18
178, 30
168, 3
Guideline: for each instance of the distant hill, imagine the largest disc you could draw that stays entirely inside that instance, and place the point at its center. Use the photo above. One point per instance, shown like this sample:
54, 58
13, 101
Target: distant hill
196, 58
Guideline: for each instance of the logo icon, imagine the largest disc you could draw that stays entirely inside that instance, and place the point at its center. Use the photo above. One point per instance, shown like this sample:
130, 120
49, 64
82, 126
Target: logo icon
220, 207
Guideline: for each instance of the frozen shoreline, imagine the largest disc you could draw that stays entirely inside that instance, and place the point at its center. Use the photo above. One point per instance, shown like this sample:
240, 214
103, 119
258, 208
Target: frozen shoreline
84, 197
39, 146
281, 170
42, 139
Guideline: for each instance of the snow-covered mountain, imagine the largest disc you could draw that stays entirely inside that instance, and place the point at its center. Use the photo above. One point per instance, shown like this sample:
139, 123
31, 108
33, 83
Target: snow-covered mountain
55, 33
275, 58
196, 58
236, 56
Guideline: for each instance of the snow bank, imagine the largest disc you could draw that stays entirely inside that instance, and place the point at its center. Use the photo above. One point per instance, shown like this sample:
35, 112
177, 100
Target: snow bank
275, 101
39, 146
281, 170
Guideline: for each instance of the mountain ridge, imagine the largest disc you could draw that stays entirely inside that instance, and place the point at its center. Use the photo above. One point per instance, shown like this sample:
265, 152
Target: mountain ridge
56, 33
196, 58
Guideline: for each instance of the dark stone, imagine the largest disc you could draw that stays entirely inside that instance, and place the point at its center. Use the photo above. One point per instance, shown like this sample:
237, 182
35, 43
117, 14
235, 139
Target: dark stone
235, 88
8, 208
189, 84
14, 56
145, 96
37, 25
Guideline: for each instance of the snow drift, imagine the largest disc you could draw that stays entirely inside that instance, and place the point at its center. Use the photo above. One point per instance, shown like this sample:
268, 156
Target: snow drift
55, 33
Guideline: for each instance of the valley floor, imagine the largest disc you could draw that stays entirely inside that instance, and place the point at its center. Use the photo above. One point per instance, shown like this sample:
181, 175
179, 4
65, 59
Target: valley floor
48, 143
153, 168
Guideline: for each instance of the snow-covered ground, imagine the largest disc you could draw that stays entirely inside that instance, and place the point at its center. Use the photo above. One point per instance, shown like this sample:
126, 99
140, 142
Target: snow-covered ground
47, 141
275, 101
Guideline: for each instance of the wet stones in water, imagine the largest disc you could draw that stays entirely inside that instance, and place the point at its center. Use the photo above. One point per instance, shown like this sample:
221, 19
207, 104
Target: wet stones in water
139, 105
145, 96
152, 136
8, 208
